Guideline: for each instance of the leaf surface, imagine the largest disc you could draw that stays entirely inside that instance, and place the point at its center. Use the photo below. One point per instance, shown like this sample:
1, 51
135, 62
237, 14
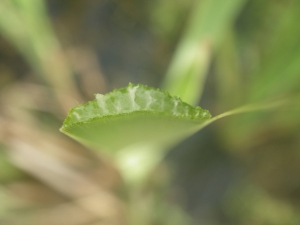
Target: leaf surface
133, 115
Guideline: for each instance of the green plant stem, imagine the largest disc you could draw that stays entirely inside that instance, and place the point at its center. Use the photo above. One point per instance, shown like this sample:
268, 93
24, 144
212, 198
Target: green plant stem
247, 109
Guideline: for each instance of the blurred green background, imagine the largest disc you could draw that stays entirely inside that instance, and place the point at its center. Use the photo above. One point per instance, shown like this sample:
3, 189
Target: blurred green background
241, 170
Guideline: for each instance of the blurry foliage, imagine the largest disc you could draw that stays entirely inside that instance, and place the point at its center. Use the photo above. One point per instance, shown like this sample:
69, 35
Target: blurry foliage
241, 170
251, 205
167, 18
8, 172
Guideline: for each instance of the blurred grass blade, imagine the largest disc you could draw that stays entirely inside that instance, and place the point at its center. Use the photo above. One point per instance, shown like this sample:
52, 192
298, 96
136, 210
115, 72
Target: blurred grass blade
26, 25
278, 74
204, 31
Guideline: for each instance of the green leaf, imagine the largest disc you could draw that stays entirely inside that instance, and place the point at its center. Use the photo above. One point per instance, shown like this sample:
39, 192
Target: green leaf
133, 115
137, 124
